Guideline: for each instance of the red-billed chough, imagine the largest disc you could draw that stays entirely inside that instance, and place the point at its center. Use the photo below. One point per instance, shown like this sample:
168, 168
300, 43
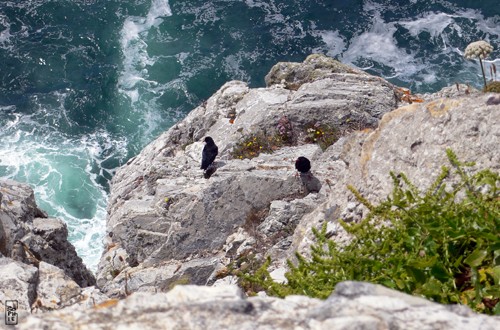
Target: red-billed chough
303, 165
210, 151
310, 182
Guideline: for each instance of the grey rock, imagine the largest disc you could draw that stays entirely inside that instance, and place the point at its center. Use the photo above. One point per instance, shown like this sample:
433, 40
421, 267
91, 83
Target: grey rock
17, 211
115, 259
161, 277
239, 242
454, 91
413, 140
17, 282
353, 305
49, 241
315, 67
29, 236
56, 290
389, 309
199, 215
161, 209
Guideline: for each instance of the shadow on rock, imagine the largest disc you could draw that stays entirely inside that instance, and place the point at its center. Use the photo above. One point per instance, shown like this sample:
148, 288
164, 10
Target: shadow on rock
310, 182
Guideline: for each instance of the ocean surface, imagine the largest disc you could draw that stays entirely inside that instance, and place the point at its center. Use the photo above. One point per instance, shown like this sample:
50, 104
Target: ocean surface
85, 84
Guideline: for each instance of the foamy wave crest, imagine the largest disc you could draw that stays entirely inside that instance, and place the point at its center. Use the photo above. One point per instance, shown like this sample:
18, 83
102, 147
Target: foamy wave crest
66, 176
134, 48
424, 51
135, 82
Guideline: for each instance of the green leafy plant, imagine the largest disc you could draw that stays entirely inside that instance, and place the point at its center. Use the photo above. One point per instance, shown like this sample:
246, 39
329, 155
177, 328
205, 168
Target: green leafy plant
442, 244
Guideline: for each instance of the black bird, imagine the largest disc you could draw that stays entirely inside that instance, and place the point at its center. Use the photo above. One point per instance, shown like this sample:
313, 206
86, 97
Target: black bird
210, 151
310, 182
303, 165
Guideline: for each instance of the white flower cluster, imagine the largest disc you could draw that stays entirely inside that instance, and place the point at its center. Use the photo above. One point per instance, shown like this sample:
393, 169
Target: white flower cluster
478, 49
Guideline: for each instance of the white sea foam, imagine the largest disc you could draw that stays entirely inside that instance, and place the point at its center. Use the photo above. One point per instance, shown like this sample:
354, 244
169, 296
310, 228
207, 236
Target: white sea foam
5, 33
134, 81
232, 64
134, 47
334, 43
63, 175
434, 23
378, 46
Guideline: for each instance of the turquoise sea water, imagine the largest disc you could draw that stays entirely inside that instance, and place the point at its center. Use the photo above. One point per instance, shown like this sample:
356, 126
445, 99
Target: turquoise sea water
85, 84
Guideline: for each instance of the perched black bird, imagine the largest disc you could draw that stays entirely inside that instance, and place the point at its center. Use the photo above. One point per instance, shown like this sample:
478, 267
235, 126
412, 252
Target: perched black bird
310, 182
210, 151
303, 165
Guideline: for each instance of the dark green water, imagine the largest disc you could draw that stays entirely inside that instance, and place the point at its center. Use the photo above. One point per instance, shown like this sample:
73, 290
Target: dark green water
85, 84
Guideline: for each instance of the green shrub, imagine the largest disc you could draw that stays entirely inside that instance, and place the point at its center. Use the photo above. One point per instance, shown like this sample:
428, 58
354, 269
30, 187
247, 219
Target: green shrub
442, 244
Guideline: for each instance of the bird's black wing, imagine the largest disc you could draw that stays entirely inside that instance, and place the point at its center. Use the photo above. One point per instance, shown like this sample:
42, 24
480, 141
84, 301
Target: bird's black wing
208, 155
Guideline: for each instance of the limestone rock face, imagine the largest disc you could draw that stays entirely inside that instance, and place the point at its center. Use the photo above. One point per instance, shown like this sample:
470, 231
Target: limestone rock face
315, 67
28, 235
17, 282
18, 209
56, 290
163, 213
189, 219
353, 305
38, 266
49, 241
161, 209
413, 140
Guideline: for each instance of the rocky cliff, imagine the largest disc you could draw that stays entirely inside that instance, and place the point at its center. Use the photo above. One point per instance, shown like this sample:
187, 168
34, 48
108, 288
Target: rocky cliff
167, 225
36, 259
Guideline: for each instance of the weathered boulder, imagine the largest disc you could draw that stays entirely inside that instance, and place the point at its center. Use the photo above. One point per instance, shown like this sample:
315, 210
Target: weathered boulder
43, 271
17, 282
28, 235
315, 67
454, 91
18, 209
48, 240
353, 305
191, 218
160, 278
56, 290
